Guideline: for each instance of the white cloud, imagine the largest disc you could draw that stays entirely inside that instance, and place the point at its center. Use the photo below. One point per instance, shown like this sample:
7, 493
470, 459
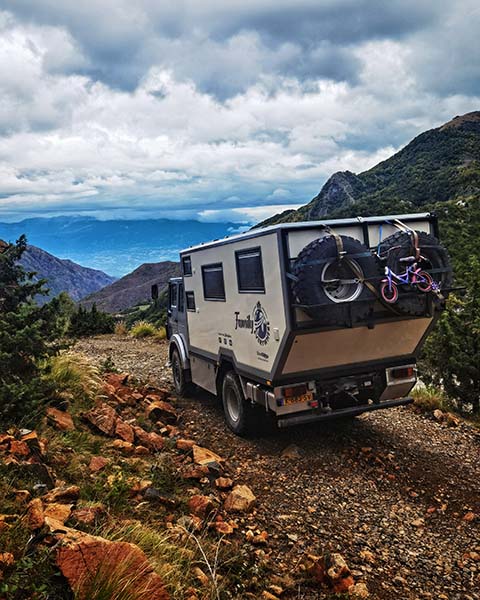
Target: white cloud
170, 145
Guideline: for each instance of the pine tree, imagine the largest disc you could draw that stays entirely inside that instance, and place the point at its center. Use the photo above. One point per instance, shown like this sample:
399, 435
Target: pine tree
27, 335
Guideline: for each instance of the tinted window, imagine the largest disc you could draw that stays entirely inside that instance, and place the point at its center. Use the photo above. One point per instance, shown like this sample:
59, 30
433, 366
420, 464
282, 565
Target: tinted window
190, 296
173, 294
250, 270
181, 303
213, 285
187, 265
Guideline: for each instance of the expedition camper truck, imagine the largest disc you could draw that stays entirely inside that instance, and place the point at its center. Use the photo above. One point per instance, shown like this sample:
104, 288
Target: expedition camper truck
307, 321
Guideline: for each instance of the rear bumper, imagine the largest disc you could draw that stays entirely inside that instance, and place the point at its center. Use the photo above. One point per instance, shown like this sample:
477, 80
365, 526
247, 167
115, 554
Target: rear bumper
343, 412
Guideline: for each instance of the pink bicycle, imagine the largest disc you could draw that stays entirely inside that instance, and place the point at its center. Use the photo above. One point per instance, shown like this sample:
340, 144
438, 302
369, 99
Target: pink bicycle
413, 276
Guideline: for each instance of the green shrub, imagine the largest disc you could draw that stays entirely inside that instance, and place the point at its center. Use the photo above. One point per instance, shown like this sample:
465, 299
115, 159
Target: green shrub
86, 322
143, 329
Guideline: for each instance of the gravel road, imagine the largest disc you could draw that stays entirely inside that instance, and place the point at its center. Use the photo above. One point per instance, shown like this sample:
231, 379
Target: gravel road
395, 492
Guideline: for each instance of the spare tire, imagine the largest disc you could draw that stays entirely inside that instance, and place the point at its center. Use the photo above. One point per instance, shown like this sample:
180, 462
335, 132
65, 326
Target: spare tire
436, 262
330, 289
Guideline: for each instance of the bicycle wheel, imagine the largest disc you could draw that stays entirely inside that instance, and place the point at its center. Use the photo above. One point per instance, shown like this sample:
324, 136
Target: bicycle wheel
424, 281
389, 293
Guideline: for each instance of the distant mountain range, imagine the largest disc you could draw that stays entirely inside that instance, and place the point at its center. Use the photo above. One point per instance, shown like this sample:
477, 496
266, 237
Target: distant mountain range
438, 166
63, 275
117, 246
134, 288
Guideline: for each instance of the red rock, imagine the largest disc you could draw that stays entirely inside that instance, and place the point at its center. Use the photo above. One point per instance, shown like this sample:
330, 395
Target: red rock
108, 389
195, 473
97, 463
158, 395
60, 419
5, 440
156, 442
185, 445
22, 495
88, 515
124, 431
223, 527
200, 505
150, 440
172, 431
6, 559
469, 516
161, 411
203, 456
104, 418
125, 447
58, 512
117, 380
88, 560
35, 517
141, 451
64, 494
240, 499
343, 585
19, 448
224, 483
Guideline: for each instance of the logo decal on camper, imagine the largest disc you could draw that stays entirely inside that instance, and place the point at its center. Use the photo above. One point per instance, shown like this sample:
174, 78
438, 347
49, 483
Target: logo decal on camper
261, 326
257, 323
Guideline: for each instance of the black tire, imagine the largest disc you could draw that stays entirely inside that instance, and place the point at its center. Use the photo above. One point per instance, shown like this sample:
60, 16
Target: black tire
337, 303
182, 386
240, 416
400, 245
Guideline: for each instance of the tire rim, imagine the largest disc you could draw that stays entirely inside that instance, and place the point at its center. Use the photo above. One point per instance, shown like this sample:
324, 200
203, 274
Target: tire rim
339, 282
176, 372
233, 404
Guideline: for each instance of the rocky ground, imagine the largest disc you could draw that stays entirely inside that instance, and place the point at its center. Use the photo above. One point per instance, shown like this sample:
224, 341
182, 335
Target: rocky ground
395, 492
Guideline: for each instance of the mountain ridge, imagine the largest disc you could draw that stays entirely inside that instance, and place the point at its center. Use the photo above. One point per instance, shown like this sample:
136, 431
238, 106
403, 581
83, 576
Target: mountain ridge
438, 165
134, 288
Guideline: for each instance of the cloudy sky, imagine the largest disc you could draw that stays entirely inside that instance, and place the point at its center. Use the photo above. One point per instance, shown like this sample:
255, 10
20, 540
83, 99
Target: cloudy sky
217, 110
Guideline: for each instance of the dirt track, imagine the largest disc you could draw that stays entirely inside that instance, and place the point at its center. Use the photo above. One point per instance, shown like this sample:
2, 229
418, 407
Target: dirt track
393, 482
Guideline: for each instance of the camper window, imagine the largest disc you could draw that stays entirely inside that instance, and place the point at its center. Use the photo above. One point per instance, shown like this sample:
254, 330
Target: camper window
213, 284
190, 300
250, 270
187, 265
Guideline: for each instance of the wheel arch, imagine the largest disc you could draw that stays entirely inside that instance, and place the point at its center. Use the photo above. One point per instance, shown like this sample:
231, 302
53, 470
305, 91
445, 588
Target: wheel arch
177, 342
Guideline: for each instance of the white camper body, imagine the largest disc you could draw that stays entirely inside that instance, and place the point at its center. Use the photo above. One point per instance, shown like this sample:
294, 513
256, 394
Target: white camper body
233, 311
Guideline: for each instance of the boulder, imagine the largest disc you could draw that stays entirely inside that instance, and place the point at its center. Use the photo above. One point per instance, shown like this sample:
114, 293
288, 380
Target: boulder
161, 411
89, 560
332, 570
60, 419
117, 380
104, 418
240, 499
124, 431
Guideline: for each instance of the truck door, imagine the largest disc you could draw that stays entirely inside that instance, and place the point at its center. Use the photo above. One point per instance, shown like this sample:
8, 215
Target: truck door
177, 322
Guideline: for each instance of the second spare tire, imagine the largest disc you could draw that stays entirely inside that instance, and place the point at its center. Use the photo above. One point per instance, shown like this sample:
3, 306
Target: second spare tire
329, 286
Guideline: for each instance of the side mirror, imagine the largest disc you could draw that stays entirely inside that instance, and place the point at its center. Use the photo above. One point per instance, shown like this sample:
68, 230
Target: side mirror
154, 291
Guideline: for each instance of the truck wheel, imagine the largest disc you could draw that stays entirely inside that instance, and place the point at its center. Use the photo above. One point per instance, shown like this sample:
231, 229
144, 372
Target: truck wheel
239, 414
398, 246
182, 386
331, 290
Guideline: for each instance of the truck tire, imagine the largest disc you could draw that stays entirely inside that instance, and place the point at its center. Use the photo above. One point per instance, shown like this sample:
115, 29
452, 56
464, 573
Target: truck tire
335, 303
239, 414
399, 245
182, 386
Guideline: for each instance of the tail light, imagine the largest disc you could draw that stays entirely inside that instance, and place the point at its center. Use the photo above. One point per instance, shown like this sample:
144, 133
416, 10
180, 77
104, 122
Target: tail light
402, 373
